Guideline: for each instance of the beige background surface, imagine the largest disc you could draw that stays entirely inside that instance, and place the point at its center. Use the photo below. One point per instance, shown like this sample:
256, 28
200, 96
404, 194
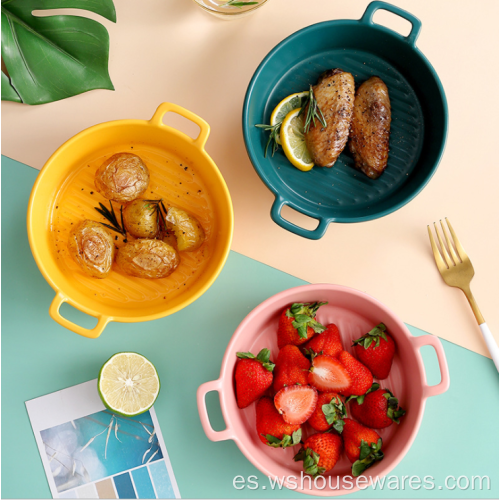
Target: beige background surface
169, 50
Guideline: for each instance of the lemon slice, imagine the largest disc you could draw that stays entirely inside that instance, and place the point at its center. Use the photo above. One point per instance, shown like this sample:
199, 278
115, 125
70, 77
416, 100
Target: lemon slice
285, 106
294, 142
128, 384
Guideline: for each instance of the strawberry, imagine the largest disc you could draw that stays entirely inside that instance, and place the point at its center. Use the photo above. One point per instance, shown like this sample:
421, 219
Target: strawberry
253, 376
296, 403
328, 374
329, 342
297, 323
291, 368
376, 351
378, 408
271, 427
361, 377
362, 446
329, 412
320, 453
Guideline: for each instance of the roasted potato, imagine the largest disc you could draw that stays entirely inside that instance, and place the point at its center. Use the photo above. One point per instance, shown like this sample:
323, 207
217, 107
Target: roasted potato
122, 177
141, 218
186, 228
93, 247
148, 259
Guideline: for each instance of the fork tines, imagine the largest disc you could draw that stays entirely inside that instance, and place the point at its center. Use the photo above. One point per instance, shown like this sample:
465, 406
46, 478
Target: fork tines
453, 253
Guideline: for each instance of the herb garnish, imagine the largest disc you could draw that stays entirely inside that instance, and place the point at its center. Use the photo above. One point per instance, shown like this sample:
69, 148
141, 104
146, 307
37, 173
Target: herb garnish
274, 131
313, 111
159, 206
111, 217
234, 3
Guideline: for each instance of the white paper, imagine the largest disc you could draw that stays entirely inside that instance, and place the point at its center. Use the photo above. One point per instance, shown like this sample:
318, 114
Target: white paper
81, 443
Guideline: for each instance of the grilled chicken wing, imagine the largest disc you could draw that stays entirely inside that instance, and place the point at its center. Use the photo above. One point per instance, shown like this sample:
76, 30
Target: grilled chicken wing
334, 94
371, 127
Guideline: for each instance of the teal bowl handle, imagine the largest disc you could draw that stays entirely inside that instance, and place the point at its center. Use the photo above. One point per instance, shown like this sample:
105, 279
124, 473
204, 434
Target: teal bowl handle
316, 234
416, 24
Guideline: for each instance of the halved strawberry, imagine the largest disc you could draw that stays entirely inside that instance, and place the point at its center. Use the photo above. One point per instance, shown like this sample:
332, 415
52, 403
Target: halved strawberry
328, 374
296, 403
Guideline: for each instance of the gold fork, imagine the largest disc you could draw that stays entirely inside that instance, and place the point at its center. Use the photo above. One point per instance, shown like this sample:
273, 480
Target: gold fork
457, 271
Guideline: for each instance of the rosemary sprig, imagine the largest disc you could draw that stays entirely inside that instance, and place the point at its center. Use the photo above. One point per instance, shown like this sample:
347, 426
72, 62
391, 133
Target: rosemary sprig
313, 111
273, 130
234, 3
110, 215
158, 206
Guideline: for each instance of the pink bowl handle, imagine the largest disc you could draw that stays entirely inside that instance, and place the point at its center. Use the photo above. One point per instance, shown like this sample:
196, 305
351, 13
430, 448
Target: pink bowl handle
215, 385
444, 385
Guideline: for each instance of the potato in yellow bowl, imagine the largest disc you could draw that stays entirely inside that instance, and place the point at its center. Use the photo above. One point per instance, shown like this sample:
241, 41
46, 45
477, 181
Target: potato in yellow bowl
92, 246
148, 259
122, 177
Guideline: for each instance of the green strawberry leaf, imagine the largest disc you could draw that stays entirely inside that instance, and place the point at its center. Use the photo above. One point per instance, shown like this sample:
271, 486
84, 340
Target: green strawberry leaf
338, 425
296, 437
309, 353
368, 455
304, 317
360, 399
263, 357
245, 355
372, 336
334, 410
392, 407
311, 460
287, 440
317, 327
54, 57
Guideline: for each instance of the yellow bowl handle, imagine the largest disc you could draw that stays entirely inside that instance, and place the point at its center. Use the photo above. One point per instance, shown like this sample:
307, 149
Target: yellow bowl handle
58, 301
166, 107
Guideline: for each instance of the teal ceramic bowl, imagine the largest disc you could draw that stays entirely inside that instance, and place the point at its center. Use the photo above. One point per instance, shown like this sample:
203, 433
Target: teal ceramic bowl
418, 130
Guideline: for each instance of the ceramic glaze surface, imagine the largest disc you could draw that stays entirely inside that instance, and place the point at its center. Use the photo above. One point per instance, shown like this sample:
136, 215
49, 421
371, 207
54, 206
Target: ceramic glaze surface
355, 313
418, 128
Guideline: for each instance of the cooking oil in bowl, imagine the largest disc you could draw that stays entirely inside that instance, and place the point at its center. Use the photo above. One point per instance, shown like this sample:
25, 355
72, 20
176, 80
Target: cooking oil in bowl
172, 178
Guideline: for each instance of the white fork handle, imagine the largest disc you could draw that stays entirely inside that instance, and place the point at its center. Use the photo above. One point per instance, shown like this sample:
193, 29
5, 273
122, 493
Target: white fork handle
490, 343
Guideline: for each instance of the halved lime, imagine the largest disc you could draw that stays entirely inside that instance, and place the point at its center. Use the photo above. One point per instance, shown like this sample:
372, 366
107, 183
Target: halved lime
128, 384
288, 104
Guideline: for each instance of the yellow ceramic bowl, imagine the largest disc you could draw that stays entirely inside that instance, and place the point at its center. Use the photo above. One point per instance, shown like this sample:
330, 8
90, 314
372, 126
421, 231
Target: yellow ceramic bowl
182, 173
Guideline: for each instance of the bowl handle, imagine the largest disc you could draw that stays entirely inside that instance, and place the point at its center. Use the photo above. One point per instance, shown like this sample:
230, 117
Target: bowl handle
166, 107
416, 24
215, 385
444, 385
315, 234
58, 301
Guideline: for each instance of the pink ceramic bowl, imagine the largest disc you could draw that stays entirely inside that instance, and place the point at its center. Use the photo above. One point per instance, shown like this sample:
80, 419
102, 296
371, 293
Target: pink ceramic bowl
355, 313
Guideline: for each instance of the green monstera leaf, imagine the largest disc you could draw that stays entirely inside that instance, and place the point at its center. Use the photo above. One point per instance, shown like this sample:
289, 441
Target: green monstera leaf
54, 57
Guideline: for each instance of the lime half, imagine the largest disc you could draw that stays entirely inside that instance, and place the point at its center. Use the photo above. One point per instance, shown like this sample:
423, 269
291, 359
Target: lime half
128, 384
288, 104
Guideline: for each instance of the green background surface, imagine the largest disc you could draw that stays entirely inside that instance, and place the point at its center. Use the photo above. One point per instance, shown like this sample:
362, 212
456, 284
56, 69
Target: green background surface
458, 435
